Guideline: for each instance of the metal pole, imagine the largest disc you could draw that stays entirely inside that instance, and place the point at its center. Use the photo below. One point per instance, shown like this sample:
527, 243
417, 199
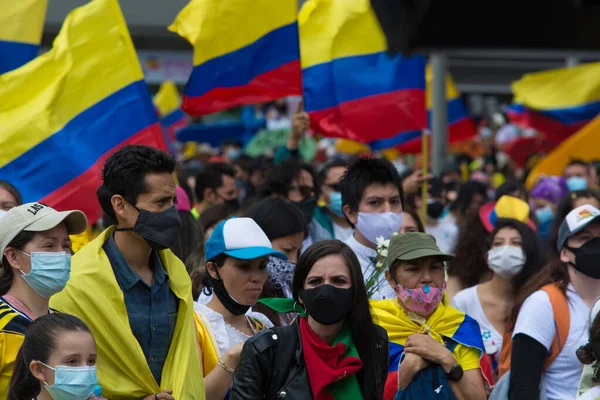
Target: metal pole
439, 128
572, 62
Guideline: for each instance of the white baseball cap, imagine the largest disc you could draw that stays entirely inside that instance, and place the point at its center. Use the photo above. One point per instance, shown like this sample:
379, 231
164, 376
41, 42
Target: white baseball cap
576, 221
37, 217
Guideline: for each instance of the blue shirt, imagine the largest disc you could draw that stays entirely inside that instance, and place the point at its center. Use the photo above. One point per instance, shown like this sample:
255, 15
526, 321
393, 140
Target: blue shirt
152, 310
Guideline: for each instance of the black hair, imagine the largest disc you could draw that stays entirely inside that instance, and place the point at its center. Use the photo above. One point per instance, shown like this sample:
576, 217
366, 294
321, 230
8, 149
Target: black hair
532, 247
466, 192
415, 215
125, 171
589, 354
215, 214
211, 177
509, 187
579, 162
565, 206
269, 214
207, 280
364, 172
18, 243
189, 246
231, 142
14, 192
360, 321
280, 177
335, 163
40, 341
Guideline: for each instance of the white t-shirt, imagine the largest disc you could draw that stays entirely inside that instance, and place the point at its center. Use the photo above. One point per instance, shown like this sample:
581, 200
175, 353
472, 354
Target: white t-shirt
445, 234
226, 334
536, 320
467, 301
365, 256
592, 394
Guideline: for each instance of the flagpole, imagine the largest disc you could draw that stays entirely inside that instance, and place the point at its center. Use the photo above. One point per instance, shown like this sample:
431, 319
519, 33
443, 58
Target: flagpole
425, 169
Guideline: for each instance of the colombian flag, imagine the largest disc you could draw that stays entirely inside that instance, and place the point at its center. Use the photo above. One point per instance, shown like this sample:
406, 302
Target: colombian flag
445, 322
21, 26
167, 102
557, 102
244, 52
65, 112
460, 123
352, 88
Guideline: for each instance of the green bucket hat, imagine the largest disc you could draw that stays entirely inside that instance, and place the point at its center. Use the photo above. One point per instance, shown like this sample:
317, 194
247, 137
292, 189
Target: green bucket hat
413, 245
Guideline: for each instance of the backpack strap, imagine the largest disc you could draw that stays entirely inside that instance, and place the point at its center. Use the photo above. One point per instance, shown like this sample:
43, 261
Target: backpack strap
562, 321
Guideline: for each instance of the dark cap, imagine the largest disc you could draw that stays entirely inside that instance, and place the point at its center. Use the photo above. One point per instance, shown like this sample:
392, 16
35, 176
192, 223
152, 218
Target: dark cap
413, 245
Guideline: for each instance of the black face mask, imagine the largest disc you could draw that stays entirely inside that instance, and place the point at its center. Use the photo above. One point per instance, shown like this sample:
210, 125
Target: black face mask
159, 229
435, 209
225, 298
327, 304
587, 258
306, 208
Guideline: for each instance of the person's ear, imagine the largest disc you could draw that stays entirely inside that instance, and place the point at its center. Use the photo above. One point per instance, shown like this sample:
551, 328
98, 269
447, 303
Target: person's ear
350, 214
119, 205
211, 268
38, 371
390, 279
209, 195
11, 256
565, 255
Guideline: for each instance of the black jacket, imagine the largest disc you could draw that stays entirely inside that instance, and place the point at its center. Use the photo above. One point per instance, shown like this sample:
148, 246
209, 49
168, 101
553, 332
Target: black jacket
272, 366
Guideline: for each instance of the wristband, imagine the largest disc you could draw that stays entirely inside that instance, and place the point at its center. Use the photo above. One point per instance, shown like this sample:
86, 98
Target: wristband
226, 367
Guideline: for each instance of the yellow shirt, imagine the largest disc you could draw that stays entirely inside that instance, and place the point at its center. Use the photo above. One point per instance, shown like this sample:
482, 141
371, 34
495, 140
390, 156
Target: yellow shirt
12, 333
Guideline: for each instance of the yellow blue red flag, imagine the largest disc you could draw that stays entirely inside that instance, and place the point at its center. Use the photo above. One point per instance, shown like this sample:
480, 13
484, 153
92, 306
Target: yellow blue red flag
352, 88
167, 102
244, 52
584, 145
557, 102
21, 26
65, 112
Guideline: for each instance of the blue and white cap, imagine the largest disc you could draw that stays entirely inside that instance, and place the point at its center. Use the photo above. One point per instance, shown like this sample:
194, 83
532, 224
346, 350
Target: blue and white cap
240, 238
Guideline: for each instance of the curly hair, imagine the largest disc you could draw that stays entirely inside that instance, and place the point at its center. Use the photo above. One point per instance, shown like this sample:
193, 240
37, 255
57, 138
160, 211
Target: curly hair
470, 263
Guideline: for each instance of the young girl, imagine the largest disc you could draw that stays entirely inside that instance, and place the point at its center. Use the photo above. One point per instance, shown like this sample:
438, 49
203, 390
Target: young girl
56, 361
590, 355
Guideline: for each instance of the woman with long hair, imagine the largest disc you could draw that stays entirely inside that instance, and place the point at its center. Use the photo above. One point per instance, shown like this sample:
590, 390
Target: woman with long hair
332, 350
36, 263
515, 254
286, 238
539, 346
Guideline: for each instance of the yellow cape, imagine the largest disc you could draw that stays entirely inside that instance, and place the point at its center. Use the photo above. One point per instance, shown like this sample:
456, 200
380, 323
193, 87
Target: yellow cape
94, 295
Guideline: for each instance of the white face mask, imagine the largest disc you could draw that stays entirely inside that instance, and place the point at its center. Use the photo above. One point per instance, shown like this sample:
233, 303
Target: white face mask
506, 261
374, 225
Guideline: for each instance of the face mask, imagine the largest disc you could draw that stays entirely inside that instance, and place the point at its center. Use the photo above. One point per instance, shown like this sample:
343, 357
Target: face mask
486, 132
281, 273
226, 299
422, 301
72, 383
306, 208
233, 154
335, 203
435, 209
575, 183
49, 272
159, 229
374, 225
586, 258
544, 215
327, 304
233, 203
506, 261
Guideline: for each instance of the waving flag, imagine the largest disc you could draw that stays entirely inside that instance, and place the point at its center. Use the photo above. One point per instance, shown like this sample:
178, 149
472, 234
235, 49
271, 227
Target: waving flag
445, 323
244, 52
460, 123
65, 112
167, 101
557, 102
352, 88
21, 26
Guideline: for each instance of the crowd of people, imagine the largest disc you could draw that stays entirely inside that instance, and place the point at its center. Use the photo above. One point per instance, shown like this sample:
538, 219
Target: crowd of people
222, 276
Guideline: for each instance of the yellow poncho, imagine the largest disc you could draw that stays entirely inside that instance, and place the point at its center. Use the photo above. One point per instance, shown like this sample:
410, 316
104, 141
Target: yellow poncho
94, 295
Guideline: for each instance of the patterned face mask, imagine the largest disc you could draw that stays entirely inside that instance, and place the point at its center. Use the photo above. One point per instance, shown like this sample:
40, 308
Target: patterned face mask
281, 273
422, 301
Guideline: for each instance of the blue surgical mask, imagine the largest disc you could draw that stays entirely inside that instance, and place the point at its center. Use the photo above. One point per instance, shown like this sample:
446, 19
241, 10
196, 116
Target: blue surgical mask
544, 215
49, 272
575, 183
335, 203
233, 154
72, 383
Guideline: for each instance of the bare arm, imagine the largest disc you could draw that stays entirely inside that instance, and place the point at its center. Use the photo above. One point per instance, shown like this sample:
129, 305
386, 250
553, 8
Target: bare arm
218, 381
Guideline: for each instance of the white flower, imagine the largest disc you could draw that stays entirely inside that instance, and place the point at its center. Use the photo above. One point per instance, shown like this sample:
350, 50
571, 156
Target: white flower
383, 252
380, 241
